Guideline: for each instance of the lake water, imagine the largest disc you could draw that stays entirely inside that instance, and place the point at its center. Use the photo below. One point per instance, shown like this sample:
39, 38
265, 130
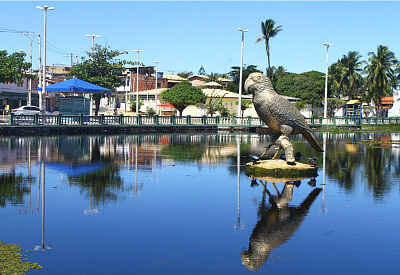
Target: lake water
181, 203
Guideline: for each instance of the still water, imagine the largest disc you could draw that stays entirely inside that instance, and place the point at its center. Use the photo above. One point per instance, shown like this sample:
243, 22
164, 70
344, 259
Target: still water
181, 203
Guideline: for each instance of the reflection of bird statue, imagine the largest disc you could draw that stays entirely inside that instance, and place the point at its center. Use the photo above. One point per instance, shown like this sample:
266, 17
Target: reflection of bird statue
282, 117
276, 225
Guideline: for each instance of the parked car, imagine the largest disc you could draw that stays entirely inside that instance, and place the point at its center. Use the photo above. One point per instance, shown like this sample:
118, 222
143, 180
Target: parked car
27, 110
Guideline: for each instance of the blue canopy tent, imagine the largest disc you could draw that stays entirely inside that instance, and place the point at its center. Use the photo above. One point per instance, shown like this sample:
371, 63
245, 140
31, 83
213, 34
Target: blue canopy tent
75, 85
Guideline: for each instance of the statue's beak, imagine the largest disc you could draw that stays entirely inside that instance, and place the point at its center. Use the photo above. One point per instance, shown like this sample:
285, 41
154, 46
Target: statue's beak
247, 84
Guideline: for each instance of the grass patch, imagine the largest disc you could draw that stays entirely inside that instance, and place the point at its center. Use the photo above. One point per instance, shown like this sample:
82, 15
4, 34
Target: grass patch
11, 261
381, 128
376, 141
385, 127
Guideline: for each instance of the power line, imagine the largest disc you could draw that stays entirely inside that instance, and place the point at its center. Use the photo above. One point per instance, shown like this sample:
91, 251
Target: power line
11, 31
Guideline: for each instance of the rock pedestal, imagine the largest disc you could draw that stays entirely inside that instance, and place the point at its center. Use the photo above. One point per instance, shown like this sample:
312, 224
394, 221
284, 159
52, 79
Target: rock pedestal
280, 169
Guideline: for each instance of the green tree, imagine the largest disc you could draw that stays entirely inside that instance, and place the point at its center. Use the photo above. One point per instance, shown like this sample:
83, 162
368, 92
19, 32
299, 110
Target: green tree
381, 74
335, 76
133, 103
150, 111
333, 105
276, 73
235, 76
13, 67
102, 67
346, 75
268, 30
183, 95
185, 74
308, 87
214, 103
214, 77
202, 71
246, 103
352, 69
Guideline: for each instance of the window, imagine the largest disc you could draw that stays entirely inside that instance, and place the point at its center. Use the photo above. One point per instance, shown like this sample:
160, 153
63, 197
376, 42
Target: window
159, 85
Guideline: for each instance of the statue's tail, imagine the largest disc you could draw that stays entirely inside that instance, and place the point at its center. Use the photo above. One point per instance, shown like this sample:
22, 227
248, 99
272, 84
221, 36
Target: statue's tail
311, 139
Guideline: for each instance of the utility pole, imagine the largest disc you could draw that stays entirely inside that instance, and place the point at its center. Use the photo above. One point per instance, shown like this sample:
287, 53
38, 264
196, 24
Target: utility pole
29, 99
71, 55
137, 81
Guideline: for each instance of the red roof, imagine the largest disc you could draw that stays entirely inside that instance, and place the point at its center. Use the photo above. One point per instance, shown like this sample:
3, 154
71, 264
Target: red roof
387, 100
166, 105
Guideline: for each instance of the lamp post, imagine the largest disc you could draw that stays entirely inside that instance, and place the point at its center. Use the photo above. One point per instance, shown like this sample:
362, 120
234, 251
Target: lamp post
137, 81
241, 73
93, 36
326, 80
41, 107
155, 98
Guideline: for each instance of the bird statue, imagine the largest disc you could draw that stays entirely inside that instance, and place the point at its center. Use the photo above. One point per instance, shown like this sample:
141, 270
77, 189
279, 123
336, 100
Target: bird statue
282, 117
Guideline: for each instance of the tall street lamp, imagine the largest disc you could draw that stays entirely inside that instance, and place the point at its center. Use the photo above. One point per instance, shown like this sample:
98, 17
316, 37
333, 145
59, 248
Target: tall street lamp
93, 36
326, 80
45, 8
241, 73
155, 98
137, 81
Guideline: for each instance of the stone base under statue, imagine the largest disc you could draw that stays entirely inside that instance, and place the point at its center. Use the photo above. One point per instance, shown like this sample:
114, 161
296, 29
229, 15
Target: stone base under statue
280, 169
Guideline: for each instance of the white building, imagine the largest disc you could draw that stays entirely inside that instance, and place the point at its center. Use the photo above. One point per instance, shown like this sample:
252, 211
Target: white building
395, 110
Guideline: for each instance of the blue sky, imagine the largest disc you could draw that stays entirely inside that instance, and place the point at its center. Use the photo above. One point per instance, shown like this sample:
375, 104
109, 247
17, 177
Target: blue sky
185, 35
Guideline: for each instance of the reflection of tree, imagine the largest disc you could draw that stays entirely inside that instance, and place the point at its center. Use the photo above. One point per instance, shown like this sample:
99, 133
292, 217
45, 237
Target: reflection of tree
341, 165
102, 185
276, 224
184, 150
378, 163
375, 164
13, 187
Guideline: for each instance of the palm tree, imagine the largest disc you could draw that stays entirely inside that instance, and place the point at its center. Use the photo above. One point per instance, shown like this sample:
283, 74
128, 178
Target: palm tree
336, 77
276, 73
268, 31
381, 73
351, 73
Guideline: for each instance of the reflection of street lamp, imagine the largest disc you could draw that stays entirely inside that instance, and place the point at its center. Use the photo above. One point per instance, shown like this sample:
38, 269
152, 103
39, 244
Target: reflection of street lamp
91, 210
137, 81
326, 80
238, 226
323, 175
42, 175
241, 73
41, 107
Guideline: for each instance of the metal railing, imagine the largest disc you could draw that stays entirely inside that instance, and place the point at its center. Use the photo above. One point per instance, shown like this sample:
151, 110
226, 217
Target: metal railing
74, 120
351, 121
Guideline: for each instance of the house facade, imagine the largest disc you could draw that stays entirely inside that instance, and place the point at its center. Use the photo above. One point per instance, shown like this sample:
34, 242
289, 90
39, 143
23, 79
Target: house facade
16, 94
